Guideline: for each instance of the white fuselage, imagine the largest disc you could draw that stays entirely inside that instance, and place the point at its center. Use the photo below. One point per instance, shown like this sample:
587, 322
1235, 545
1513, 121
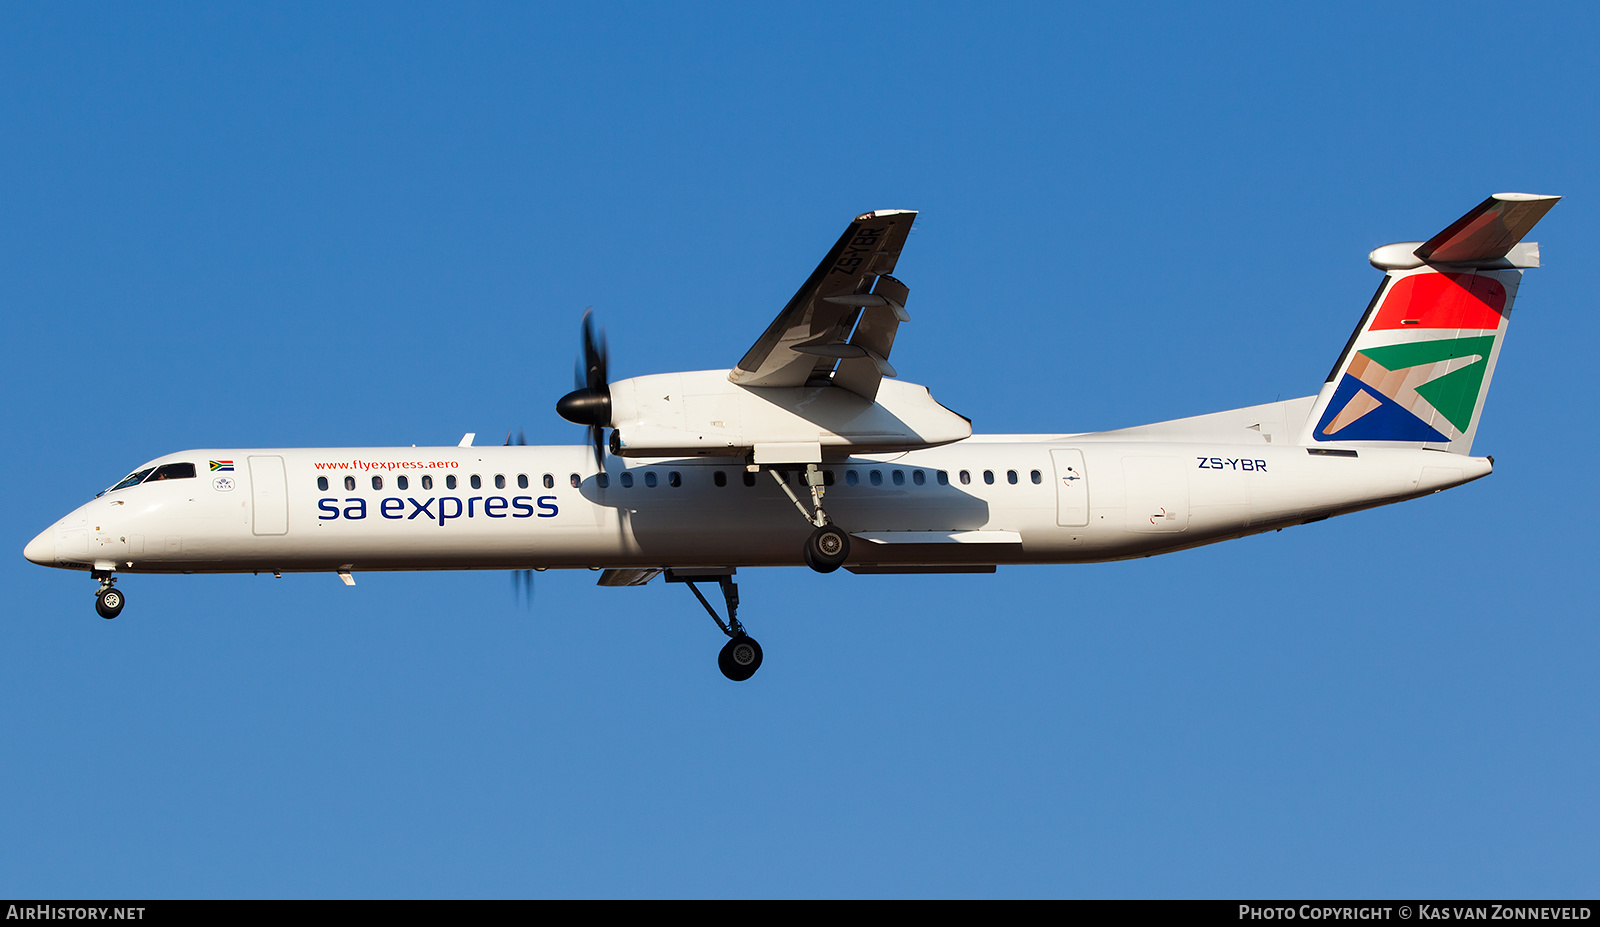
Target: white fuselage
1052, 499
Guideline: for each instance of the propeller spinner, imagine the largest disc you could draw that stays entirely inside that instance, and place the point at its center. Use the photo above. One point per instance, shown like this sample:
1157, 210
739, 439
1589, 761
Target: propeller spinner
590, 403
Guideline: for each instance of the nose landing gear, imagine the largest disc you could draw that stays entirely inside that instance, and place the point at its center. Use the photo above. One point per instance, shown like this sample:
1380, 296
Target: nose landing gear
108, 601
741, 656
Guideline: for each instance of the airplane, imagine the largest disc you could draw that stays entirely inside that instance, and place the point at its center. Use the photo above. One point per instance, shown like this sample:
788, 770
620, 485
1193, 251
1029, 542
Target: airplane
810, 450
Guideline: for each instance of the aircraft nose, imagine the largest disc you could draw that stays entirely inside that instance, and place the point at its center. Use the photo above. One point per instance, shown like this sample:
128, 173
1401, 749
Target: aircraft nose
42, 549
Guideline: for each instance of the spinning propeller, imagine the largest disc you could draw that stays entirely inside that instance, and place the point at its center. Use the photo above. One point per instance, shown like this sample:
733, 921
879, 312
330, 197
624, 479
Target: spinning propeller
590, 403
521, 580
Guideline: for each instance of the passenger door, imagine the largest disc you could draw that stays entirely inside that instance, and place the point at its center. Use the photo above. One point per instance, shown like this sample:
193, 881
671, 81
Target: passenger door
1072, 488
269, 496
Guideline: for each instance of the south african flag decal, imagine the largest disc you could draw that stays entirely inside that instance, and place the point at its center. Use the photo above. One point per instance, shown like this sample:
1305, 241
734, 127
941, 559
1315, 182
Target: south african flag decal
221, 465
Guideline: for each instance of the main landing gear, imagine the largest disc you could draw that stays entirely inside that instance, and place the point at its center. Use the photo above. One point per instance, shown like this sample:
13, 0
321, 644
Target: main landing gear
828, 546
108, 601
741, 656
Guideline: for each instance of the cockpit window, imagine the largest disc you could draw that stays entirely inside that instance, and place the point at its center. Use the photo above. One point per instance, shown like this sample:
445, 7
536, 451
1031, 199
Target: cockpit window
173, 471
132, 479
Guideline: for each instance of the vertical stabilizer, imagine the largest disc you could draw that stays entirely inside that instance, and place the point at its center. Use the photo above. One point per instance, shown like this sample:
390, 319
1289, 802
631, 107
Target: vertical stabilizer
1418, 367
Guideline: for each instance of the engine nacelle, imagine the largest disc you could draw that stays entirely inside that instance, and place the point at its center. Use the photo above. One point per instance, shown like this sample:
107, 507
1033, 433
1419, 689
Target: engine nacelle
702, 413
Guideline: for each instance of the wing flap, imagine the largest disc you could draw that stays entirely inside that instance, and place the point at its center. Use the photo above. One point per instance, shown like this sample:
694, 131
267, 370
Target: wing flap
873, 338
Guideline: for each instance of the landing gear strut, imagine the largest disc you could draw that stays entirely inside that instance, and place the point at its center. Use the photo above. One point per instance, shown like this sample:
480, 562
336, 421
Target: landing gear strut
828, 546
741, 656
108, 601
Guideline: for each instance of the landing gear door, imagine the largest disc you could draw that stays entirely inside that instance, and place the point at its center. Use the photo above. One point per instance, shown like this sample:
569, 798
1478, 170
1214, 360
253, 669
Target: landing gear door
1072, 488
269, 496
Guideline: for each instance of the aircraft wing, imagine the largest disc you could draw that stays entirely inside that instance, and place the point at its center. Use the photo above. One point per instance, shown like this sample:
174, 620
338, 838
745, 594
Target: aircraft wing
842, 322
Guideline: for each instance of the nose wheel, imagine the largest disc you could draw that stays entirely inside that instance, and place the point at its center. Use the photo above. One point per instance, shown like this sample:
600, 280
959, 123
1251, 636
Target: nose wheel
740, 658
109, 600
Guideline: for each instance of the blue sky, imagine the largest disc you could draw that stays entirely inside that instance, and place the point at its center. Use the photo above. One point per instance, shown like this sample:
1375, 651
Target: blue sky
379, 224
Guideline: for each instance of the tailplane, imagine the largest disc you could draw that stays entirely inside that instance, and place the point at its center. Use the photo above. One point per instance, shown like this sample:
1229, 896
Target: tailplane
1417, 369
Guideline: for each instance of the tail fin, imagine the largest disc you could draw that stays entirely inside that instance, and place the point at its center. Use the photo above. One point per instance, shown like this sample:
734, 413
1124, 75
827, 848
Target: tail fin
1417, 369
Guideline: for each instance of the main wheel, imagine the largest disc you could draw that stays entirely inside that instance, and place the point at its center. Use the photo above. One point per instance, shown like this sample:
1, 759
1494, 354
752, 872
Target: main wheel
740, 658
827, 549
109, 603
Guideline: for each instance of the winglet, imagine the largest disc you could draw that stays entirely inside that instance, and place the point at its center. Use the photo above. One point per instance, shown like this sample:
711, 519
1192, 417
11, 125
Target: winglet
1489, 231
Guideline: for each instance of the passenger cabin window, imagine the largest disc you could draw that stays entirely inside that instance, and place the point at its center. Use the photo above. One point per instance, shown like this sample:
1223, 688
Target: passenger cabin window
827, 477
719, 478
965, 477
322, 483
377, 482
673, 479
943, 478
575, 480
477, 481
450, 481
917, 477
522, 481
851, 478
899, 477
988, 477
349, 484
1011, 477
1037, 477
499, 481
875, 477
427, 482
627, 480
749, 478
650, 479
549, 481
400, 482
602, 480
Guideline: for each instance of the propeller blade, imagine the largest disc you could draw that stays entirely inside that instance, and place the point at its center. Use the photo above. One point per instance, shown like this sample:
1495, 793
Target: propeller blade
522, 587
596, 358
590, 403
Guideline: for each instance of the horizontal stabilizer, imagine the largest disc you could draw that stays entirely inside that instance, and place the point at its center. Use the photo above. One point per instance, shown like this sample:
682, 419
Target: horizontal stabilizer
1489, 231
